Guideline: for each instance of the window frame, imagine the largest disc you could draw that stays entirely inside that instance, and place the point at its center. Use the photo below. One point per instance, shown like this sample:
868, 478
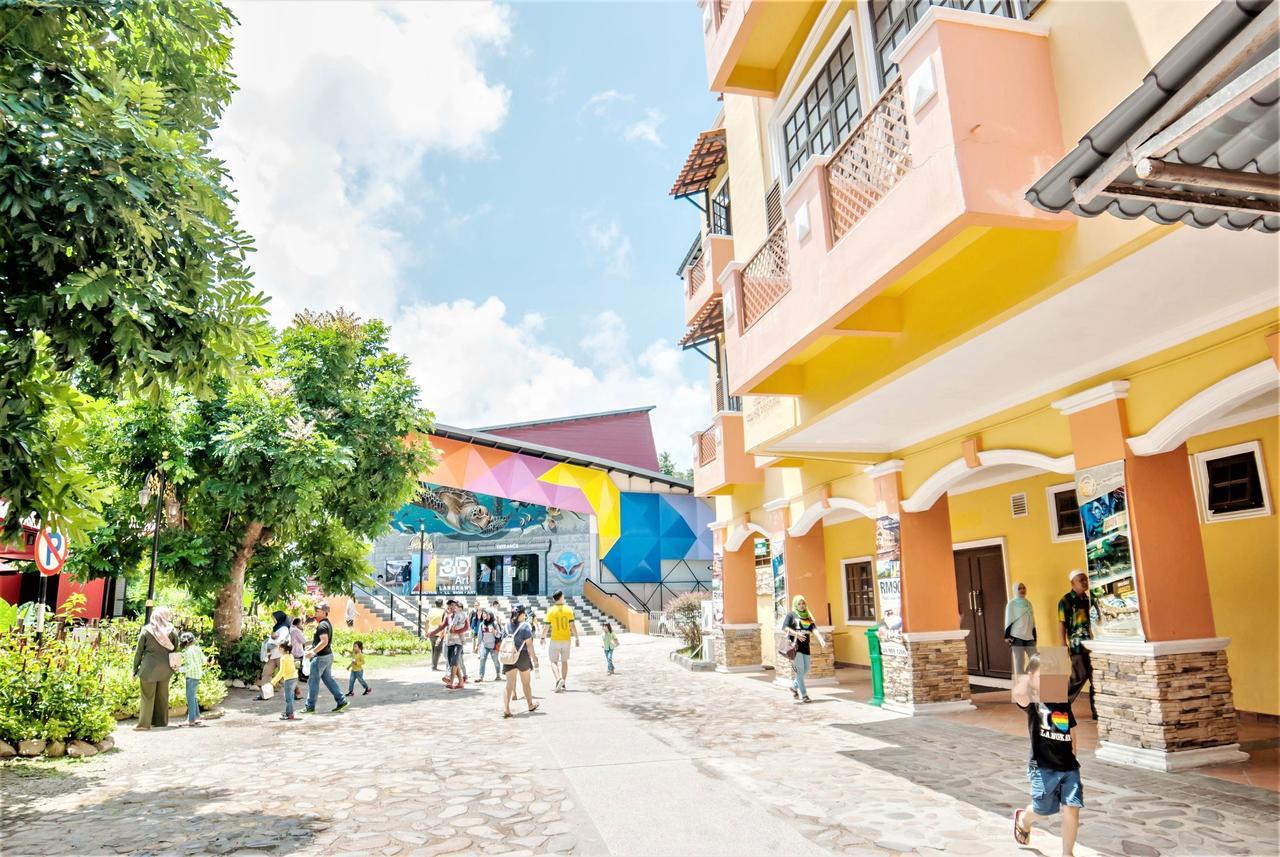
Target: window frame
714, 205
1200, 480
1055, 534
844, 588
872, 42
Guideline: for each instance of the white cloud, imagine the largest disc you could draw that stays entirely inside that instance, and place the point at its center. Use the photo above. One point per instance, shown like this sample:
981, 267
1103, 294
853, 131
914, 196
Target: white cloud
646, 129
610, 244
600, 103
477, 368
339, 104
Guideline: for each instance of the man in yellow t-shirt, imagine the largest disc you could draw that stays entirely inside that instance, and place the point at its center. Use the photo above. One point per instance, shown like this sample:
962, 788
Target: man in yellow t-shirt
560, 623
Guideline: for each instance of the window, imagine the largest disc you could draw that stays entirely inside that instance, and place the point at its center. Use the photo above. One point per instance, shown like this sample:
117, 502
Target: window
859, 591
1230, 483
891, 20
721, 224
1064, 513
826, 113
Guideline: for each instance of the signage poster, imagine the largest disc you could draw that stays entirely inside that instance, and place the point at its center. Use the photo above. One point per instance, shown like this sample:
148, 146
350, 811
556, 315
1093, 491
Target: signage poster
764, 568
455, 575
1104, 513
779, 584
717, 589
889, 585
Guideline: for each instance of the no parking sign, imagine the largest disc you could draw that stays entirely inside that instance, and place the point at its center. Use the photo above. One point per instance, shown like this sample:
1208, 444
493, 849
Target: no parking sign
51, 551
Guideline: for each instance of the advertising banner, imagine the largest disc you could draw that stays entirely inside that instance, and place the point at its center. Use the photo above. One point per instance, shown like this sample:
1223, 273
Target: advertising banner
889, 584
1104, 512
779, 583
764, 568
717, 589
455, 575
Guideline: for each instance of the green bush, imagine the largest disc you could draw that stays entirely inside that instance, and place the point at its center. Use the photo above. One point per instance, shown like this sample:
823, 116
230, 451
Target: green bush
240, 660
52, 689
686, 614
397, 642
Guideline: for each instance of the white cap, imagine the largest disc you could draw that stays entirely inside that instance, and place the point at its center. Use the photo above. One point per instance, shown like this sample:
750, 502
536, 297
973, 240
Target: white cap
1075, 572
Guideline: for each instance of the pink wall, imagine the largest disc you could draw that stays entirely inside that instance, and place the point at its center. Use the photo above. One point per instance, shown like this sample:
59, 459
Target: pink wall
625, 438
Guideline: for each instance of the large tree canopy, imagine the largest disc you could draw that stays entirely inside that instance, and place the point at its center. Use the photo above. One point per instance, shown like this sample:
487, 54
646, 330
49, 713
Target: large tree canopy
283, 476
119, 254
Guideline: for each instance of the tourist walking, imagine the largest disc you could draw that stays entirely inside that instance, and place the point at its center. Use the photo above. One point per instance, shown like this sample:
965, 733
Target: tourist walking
1074, 610
154, 662
518, 659
1020, 627
453, 631
561, 626
272, 649
491, 635
434, 617
288, 678
297, 647
355, 670
192, 671
800, 627
351, 613
321, 655
609, 641
1052, 767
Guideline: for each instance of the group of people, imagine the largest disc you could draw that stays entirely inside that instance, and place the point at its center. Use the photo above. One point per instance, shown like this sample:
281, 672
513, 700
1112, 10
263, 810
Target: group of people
285, 656
508, 644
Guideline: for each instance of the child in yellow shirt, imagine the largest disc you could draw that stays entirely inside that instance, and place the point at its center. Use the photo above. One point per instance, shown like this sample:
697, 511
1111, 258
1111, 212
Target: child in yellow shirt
356, 669
287, 674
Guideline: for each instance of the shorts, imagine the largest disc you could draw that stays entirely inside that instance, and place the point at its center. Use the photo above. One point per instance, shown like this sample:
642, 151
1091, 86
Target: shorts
1051, 789
454, 654
558, 652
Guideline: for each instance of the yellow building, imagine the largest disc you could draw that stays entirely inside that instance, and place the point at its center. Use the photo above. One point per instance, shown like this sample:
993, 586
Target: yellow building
989, 291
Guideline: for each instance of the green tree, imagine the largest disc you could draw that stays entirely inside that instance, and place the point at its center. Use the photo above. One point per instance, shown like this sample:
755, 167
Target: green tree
120, 259
283, 476
667, 466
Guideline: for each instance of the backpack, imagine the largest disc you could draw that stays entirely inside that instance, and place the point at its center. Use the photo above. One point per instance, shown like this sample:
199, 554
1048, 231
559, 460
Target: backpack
508, 654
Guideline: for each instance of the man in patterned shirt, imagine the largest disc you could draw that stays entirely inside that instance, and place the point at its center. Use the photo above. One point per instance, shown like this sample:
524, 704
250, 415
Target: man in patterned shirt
1074, 609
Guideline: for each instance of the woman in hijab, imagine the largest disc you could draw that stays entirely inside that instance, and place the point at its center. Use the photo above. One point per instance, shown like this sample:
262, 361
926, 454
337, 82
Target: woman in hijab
272, 648
153, 664
799, 625
1020, 626
522, 635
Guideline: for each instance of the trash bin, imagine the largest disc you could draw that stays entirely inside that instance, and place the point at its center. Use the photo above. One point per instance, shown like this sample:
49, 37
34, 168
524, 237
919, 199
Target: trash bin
877, 666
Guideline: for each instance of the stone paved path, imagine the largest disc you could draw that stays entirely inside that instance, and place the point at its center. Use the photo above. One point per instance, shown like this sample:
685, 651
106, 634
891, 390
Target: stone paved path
654, 760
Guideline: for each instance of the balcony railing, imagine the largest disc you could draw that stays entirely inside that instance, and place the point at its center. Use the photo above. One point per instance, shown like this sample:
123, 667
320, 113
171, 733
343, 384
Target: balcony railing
766, 278
869, 163
726, 403
697, 275
706, 446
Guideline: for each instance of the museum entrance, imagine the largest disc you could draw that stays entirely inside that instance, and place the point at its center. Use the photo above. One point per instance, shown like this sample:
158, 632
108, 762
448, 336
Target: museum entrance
525, 574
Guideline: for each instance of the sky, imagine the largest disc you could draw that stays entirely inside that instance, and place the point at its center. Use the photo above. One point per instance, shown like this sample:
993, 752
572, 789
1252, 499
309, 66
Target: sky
492, 180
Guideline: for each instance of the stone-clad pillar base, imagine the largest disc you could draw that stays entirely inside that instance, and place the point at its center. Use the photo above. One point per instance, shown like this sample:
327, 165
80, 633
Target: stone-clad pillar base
737, 648
822, 664
1164, 706
933, 677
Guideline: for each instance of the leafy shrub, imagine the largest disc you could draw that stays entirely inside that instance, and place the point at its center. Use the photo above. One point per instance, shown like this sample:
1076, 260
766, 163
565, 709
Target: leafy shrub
397, 642
685, 611
52, 689
240, 660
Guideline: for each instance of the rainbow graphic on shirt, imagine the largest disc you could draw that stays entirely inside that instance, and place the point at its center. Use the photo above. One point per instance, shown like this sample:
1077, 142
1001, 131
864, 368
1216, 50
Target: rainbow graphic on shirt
1060, 721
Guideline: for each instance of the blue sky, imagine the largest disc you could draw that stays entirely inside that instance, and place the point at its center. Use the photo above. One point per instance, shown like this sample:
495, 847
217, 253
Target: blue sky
492, 179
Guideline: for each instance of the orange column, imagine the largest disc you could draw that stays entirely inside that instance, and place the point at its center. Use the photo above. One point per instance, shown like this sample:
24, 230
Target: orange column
1164, 527
806, 569
740, 585
928, 560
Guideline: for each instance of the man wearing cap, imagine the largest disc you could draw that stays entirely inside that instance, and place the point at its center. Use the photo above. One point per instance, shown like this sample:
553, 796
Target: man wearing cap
1074, 610
321, 653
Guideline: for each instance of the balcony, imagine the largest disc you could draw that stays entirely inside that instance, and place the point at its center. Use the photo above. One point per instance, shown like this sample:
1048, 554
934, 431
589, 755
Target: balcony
719, 460
942, 158
702, 274
750, 43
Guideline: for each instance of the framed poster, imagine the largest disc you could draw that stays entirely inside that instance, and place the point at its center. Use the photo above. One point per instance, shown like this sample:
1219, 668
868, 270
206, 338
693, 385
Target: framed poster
779, 583
1104, 514
889, 584
717, 589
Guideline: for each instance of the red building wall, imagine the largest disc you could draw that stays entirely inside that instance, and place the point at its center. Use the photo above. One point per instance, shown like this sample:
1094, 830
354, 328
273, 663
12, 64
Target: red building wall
626, 438
93, 591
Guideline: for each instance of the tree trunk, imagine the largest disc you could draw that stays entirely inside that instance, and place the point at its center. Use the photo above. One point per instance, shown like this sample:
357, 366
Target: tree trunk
228, 614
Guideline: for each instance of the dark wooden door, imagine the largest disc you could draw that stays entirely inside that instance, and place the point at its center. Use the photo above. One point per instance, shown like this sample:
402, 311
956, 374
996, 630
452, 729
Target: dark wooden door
981, 595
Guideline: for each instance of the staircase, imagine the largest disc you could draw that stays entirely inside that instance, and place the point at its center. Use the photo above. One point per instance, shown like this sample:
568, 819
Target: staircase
589, 617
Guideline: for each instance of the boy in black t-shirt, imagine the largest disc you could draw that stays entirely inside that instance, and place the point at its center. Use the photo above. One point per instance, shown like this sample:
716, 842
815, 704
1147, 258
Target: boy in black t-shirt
1052, 767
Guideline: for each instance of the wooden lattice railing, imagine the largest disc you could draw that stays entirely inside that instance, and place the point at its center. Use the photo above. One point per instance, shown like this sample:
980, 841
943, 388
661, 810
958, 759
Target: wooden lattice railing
869, 163
766, 278
697, 274
707, 446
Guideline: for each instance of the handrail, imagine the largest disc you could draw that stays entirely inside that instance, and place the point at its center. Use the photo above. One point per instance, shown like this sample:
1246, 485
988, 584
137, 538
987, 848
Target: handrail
409, 609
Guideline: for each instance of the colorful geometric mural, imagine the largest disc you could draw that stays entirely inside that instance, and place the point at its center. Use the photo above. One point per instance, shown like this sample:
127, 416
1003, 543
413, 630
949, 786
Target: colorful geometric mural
658, 527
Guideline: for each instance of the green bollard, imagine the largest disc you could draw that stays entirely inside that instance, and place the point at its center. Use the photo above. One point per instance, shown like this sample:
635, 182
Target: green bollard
877, 666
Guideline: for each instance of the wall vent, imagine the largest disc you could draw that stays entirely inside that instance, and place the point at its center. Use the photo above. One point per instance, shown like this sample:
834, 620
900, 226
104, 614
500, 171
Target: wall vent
1018, 505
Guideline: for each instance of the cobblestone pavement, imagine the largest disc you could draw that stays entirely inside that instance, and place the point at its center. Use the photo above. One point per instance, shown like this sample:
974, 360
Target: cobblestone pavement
654, 760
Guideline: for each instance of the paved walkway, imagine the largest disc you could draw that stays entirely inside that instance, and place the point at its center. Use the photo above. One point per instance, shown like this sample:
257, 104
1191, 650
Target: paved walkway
652, 761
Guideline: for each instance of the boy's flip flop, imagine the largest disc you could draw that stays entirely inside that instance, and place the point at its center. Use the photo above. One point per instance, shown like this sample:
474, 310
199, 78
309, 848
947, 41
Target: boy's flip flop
1021, 836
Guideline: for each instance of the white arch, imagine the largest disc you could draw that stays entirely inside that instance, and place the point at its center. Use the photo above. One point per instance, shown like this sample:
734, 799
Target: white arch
1204, 408
817, 512
739, 534
957, 471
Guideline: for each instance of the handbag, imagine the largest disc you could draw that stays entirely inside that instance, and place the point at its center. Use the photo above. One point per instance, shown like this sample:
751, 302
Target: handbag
789, 648
267, 690
175, 661
508, 654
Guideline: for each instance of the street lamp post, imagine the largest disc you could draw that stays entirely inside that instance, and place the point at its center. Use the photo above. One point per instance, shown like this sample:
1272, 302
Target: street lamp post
422, 547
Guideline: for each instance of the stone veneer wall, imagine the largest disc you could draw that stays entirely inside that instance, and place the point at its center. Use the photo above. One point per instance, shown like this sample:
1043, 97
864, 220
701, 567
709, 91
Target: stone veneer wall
932, 672
822, 659
1164, 702
737, 647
